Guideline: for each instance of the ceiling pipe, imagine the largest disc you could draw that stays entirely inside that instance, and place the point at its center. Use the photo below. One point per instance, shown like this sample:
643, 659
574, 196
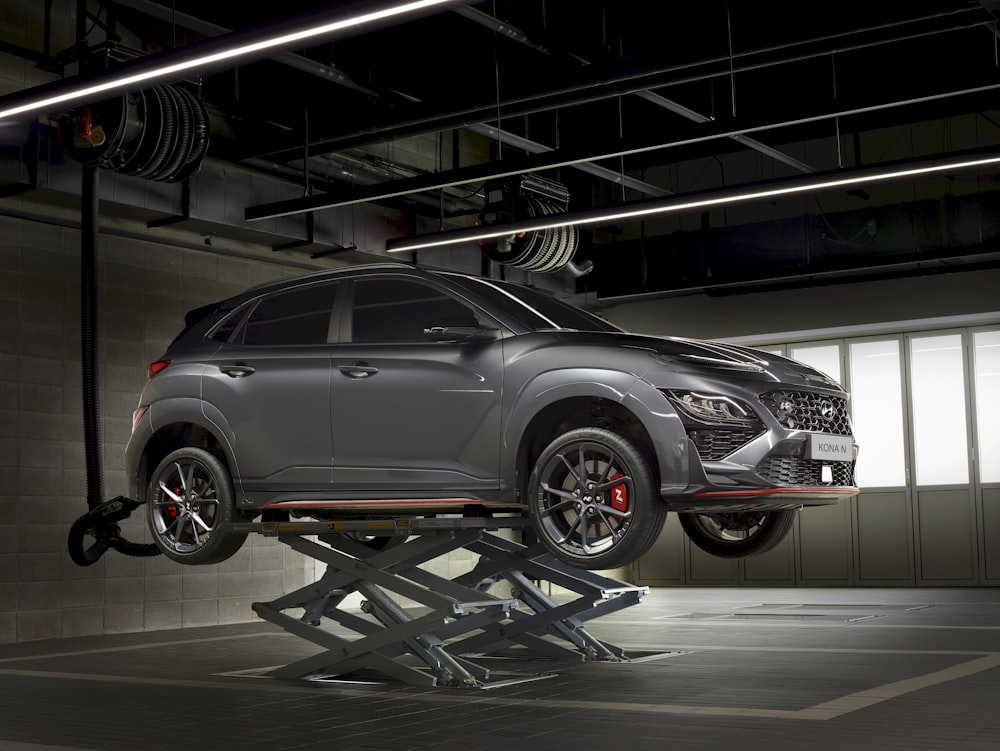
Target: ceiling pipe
490, 22
555, 159
610, 85
292, 60
531, 147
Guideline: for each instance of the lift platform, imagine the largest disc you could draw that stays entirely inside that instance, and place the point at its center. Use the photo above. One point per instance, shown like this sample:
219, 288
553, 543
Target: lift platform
446, 624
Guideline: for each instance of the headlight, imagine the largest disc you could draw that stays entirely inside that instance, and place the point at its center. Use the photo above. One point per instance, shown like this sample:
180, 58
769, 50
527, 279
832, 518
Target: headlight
713, 409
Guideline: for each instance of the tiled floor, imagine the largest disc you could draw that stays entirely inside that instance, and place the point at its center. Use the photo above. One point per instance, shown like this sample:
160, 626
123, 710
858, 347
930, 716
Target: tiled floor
712, 668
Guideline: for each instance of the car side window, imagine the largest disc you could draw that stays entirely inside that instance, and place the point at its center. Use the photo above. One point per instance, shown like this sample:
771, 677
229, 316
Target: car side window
295, 317
390, 311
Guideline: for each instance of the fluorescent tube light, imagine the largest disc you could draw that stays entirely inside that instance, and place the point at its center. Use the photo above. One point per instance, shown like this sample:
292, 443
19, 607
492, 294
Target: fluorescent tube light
238, 44
675, 204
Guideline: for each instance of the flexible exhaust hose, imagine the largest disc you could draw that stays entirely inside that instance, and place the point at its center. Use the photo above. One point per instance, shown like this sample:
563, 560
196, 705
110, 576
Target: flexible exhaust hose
101, 520
92, 441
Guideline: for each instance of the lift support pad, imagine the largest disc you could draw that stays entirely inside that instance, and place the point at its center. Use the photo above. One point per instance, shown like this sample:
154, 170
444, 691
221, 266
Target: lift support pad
445, 623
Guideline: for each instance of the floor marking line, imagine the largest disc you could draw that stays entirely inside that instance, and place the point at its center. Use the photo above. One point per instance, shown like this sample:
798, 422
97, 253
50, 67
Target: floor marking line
862, 699
135, 647
803, 650
819, 712
726, 620
175, 682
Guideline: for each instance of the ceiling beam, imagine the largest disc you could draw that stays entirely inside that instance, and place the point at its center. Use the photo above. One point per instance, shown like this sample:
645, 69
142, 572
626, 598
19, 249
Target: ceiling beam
695, 134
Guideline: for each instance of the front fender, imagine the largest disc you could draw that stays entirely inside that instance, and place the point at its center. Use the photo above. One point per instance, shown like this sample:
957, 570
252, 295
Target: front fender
639, 397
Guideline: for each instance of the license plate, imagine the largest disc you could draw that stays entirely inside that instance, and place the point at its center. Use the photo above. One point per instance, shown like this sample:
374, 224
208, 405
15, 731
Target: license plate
837, 448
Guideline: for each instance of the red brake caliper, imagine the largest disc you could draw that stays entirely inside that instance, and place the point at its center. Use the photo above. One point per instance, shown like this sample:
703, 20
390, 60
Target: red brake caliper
172, 507
619, 494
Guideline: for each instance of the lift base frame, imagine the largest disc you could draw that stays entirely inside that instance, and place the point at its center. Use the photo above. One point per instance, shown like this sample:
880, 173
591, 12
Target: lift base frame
446, 623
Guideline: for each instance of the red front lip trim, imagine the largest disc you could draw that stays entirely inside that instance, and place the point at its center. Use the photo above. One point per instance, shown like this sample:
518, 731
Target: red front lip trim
842, 490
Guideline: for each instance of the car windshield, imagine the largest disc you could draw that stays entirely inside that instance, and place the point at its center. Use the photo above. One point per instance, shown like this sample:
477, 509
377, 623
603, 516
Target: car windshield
533, 308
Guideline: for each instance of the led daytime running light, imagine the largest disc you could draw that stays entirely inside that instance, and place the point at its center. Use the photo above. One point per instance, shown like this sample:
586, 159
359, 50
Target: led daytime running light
712, 408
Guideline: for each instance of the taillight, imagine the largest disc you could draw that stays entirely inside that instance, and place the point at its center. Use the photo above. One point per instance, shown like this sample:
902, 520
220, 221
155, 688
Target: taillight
137, 415
157, 367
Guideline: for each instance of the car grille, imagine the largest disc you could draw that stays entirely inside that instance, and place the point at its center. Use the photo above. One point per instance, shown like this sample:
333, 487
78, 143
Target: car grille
807, 410
793, 470
714, 443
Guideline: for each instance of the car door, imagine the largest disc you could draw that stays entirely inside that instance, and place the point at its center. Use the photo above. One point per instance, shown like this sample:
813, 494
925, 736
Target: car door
411, 414
270, 384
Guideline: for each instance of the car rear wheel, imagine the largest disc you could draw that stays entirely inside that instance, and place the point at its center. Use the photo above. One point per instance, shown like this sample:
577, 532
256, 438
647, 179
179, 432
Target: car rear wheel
739, 534
190, 508
593, 500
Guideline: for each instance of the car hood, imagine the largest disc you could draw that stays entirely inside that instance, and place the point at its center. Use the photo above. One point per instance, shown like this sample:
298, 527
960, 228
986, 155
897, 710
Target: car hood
701, 355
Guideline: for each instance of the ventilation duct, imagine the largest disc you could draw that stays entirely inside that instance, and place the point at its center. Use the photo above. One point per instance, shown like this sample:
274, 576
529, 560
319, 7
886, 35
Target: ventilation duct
157, 134
527, 197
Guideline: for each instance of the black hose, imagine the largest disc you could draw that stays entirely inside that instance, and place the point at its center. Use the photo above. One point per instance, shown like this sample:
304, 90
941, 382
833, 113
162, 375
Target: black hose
92, 440
100, 522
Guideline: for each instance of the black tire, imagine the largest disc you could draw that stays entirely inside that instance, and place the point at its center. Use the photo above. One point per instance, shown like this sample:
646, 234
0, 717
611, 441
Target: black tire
611, 531
190, 508
739, 534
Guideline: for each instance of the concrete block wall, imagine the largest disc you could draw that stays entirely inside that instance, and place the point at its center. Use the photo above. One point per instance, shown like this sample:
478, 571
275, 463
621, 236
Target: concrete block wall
145, 288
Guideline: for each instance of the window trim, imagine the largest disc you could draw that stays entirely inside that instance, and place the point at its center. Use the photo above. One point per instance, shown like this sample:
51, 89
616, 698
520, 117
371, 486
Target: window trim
346, 309
238, 336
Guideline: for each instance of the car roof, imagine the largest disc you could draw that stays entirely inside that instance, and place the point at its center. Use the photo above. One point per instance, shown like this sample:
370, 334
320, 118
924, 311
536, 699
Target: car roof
327, 274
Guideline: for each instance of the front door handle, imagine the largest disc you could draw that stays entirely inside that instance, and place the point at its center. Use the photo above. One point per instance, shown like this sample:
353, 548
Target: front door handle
357, 370
237, 370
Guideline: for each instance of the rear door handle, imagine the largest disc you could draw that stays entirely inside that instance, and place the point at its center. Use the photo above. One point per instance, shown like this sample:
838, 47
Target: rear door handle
237, 370
357, 370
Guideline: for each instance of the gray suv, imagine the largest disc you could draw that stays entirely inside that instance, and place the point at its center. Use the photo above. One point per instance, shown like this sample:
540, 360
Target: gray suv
387, 391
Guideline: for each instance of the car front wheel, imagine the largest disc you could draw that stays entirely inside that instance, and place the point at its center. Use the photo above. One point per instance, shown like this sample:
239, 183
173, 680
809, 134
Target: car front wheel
190, 508
739, 534
593, 499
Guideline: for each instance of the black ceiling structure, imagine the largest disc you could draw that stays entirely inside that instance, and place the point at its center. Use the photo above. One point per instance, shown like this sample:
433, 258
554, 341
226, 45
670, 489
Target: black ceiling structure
617, 102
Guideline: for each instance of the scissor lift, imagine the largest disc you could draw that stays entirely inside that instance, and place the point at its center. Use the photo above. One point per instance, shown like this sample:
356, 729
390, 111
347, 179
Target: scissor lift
453, 621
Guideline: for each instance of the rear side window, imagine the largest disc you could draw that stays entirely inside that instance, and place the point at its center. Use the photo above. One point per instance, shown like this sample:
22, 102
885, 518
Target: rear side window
295, 317
223, 331
390, 311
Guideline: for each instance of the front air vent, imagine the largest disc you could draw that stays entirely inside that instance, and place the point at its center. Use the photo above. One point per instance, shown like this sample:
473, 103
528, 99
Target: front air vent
714, 444
792, 471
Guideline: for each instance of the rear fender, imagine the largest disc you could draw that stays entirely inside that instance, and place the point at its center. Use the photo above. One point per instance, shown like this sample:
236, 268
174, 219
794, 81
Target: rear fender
185, 411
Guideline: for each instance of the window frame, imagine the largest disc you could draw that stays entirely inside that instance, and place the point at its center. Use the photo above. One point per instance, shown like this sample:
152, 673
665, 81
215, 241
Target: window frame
238, 336
345, 310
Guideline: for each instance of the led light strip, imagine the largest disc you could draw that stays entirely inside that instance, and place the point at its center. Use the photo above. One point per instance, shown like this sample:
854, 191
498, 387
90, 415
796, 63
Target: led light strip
210, 58
674, 204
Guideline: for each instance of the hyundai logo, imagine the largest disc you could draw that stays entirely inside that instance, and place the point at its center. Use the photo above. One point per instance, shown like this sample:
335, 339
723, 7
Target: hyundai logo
826, 410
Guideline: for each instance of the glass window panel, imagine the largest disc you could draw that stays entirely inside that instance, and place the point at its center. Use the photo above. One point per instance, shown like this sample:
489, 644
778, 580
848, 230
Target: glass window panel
877, 413
298, 316
398, 310
987, 353
940, 438
825, 358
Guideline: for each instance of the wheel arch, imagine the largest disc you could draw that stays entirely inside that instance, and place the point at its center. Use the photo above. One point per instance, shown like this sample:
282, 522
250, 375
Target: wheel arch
172, 423
175, 435
558, 404
562, 400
